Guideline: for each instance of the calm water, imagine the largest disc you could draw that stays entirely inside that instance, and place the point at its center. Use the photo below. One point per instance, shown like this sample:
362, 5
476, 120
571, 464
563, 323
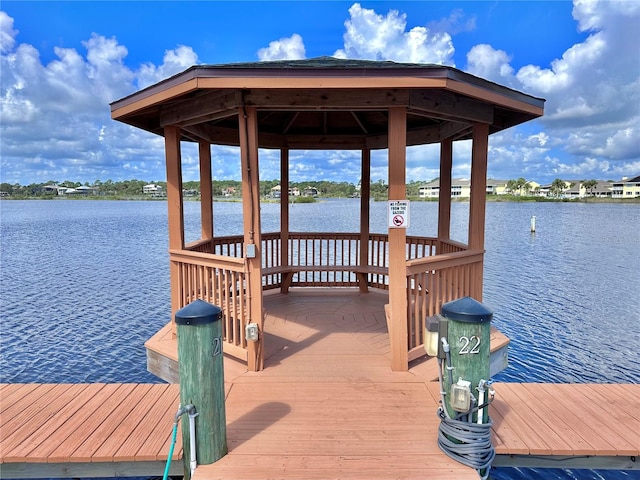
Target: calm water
84, 283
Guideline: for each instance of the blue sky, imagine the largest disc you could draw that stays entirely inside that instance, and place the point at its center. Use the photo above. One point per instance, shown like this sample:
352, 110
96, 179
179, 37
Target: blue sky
62, 63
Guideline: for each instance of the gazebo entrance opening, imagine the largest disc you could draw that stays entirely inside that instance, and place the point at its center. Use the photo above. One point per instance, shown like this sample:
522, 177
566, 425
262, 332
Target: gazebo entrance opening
330, 105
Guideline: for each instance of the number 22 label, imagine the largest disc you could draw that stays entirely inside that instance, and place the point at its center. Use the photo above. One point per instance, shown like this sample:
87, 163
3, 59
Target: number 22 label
469, 344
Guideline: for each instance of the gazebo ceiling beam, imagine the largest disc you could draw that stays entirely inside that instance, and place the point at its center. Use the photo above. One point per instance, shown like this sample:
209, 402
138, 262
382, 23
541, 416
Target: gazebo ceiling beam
454, 130
291, 121
228, 136
421, 136
451, 106
200, 108
351, 99
211, 118
214, 135
355, 117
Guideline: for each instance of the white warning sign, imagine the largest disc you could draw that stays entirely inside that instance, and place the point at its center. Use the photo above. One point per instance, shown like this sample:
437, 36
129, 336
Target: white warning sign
398, 213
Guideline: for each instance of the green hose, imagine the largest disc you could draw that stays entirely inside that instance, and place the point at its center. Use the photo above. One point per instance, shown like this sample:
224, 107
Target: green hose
173, 444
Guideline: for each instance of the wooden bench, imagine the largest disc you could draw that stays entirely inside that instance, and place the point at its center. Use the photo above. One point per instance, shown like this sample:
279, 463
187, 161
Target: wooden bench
361, 272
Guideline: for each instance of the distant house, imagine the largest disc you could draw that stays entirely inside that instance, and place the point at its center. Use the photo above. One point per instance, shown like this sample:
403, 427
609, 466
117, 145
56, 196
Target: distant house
574, 189
310, 192
151, 189
276, 192
81, 190
460, 188
496, 187
228, 192
602, 189
626, 188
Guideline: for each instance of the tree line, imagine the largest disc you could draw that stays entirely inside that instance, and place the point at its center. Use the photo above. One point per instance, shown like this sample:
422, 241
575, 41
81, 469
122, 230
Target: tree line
133, 188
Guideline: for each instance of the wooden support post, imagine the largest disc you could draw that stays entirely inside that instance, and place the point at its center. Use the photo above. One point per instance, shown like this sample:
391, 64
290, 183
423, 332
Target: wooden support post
206, 194
444, 194
175, 210
478, 202
202, 381
398, 328
248, 120
284, 213
365, 193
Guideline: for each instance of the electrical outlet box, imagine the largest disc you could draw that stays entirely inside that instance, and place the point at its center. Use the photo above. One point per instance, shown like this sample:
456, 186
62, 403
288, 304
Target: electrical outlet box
461, 396
250, 250
251, 332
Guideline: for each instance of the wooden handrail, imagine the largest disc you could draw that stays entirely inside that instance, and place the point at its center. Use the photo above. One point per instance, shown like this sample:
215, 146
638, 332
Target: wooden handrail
445, 260
234, 264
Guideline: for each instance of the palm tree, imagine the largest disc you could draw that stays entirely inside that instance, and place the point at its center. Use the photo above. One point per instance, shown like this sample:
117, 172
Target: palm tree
520, 183
557, 187
589, 185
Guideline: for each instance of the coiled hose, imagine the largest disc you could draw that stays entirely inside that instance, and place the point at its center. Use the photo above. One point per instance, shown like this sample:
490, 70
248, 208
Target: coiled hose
467, 443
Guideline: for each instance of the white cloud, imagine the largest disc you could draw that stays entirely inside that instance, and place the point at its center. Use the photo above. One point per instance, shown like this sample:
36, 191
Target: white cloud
483, 61
592, 91
174, 61
7, 33
456, 22
55, 117
291, 48
376, 37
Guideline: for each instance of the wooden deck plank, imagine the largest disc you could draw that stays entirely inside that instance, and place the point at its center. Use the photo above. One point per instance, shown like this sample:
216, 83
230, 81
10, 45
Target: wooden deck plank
567, 403
327, 467
146, 442
573, 398
17, 413
619, 425
564, 426
35, 447
127, 423
34, 414
65, 452
617, 398
108, 429
508, 435
73, 422
539, 432
364, 430
11, 392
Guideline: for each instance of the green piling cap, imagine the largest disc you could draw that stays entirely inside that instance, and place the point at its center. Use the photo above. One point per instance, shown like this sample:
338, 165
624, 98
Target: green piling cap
467, 310
198, 312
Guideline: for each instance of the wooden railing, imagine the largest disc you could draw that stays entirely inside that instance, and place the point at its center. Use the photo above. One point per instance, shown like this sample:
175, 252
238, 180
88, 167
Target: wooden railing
434, 281
219, 280
437, 272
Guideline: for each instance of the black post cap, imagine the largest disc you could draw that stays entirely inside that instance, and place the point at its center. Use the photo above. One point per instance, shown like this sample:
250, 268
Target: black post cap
198, 312
467, 310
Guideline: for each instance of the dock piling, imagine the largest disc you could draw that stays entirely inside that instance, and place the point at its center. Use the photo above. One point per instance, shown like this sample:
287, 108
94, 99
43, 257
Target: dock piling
469, 335
202, 380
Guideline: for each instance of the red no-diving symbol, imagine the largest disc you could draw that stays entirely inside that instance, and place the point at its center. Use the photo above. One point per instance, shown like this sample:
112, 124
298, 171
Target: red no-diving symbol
398, 220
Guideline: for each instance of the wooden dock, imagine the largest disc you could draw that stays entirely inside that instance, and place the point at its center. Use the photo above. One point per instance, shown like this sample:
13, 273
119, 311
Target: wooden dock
87, 430
327, 405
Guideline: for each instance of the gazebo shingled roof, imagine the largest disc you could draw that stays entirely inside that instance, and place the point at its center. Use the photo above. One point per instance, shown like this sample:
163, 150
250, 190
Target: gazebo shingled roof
325, 103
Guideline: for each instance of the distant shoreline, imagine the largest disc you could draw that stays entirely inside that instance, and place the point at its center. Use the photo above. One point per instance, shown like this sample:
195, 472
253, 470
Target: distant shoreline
489, 198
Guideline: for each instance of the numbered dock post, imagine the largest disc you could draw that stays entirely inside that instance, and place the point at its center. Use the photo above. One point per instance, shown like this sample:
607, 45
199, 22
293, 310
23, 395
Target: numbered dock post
202, 380
469, 337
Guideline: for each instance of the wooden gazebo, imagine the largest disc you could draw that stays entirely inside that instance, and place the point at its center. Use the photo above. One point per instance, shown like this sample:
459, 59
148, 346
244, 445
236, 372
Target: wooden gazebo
326, 104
